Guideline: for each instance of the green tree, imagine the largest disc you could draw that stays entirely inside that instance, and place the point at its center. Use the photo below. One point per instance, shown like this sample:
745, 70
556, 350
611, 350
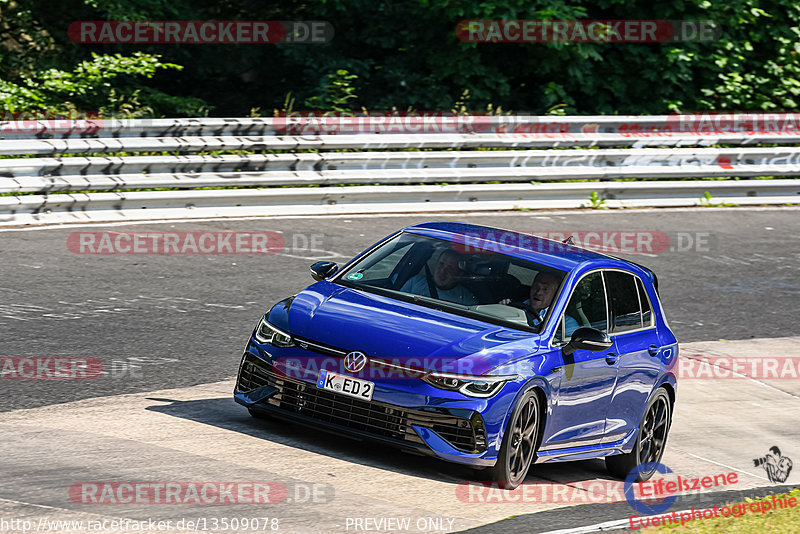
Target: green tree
405, 55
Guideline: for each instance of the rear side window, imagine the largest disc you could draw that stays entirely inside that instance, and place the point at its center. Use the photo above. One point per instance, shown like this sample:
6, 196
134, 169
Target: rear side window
647, 310
623, 293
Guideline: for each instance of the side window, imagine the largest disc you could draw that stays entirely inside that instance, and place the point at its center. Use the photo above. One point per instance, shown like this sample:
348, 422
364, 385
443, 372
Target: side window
587, 306
626, 313
647, 310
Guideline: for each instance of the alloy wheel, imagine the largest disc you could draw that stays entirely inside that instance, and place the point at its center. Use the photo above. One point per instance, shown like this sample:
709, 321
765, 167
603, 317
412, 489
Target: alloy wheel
523, 440
654, 432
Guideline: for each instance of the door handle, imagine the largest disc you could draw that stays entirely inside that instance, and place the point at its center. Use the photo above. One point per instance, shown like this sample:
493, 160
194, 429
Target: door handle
653, 350
611, 358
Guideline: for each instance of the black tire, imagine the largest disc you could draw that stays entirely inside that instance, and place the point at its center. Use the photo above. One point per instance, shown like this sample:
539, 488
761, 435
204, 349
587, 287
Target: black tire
519, 446
650, 443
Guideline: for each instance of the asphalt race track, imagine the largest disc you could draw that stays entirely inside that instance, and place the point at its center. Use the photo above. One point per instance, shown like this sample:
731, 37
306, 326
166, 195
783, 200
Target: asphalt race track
169, 330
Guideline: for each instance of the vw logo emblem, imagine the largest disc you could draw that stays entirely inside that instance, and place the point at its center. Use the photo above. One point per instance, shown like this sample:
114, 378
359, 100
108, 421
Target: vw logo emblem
355, 361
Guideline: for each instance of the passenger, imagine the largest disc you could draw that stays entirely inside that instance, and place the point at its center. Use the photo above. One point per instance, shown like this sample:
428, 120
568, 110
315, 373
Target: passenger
444, 283
543, 291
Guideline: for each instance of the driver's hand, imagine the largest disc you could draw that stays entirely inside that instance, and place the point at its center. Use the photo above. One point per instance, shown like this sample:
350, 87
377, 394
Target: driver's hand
505, 301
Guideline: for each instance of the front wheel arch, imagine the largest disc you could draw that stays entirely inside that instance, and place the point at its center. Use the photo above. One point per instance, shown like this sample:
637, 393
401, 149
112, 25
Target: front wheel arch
502, 472
542, 390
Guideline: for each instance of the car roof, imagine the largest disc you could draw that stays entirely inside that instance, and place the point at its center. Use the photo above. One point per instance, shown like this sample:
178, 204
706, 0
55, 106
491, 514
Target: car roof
528, 247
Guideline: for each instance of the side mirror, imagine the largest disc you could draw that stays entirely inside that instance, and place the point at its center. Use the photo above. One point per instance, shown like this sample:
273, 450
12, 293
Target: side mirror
586, 338
323, 269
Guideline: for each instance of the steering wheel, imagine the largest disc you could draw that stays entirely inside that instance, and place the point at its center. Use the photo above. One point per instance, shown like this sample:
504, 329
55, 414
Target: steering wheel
534, 315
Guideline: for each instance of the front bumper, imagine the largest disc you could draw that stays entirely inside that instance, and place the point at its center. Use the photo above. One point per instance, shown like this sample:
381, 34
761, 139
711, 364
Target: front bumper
453, 434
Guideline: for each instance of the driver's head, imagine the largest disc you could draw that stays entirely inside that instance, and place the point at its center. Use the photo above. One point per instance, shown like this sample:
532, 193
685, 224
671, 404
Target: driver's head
447, 274
543, 290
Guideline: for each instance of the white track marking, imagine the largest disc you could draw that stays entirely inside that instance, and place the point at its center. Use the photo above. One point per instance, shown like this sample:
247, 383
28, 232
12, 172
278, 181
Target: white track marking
12, 501
727, 466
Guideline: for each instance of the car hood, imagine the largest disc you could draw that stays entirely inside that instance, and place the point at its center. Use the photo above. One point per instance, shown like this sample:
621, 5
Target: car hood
385, 328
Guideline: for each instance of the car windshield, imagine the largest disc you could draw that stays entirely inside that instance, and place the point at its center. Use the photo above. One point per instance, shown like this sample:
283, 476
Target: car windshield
446, 275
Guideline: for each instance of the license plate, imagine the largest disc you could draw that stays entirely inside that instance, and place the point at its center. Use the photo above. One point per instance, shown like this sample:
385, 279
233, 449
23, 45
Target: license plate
346, 385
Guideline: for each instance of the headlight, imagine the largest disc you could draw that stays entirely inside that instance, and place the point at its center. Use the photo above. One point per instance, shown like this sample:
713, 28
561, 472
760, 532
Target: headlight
472, 386
266, 333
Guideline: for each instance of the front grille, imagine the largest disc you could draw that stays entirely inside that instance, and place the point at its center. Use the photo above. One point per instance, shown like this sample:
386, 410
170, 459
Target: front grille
377, 418
252, 376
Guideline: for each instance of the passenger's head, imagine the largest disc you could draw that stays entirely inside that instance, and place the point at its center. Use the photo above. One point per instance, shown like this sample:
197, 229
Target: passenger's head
447, 274
543, 290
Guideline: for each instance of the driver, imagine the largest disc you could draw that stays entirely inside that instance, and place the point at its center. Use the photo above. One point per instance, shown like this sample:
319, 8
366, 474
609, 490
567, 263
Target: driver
543, 290
443, 283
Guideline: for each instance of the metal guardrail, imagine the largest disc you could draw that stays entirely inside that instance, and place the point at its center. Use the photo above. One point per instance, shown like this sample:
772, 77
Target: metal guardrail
381, 141
136, 172
172, 156
322, 123
108, 182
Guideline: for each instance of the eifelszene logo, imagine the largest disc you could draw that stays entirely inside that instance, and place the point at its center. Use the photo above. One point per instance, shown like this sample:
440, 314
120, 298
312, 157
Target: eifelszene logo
777, 467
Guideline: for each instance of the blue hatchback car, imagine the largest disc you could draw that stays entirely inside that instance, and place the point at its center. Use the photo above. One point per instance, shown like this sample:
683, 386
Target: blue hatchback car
477, 345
